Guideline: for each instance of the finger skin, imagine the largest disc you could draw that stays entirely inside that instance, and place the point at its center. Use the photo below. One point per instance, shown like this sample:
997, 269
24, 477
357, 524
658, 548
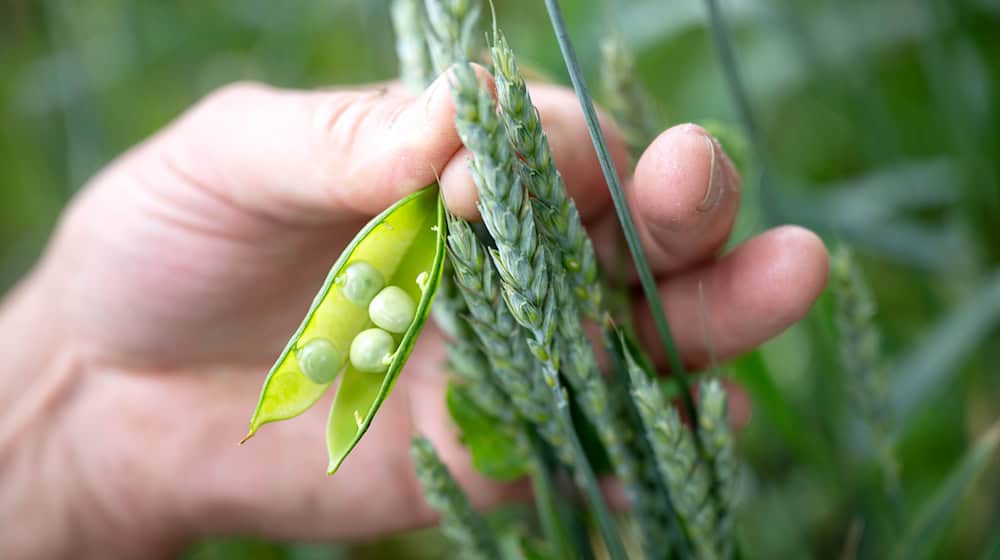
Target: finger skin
276, 484
684, 198
572, 152
743, 299
311, 157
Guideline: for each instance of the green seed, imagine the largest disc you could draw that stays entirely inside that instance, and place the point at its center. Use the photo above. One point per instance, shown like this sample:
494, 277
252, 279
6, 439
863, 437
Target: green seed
403, 246
392, 309
360, 282
320, 360
371, 350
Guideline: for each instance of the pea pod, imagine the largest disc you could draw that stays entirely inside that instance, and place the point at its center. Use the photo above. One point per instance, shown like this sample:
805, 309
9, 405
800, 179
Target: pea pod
399, 255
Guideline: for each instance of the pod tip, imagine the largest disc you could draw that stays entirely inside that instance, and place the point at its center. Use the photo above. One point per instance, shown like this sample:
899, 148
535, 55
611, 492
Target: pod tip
248, 436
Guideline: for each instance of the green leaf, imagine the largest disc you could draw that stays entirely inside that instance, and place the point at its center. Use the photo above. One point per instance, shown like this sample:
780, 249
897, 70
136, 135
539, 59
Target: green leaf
514, 545
495, 453
237, 547
992, 550
927, 368
936, 514
752, 372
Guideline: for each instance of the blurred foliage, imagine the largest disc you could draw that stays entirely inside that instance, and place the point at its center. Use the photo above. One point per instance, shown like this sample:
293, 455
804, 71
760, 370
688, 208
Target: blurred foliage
881, 122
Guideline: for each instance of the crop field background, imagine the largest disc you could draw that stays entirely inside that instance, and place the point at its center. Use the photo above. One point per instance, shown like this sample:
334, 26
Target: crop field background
881, 127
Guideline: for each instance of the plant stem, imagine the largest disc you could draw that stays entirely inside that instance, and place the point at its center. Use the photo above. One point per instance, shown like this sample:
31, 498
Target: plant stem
408, 20
459, 520
738, 92
521, 261
547, 502
588, 481
621, 358
629, 103
621, 206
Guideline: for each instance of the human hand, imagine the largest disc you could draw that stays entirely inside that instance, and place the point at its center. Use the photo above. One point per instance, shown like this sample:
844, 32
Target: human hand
176, 276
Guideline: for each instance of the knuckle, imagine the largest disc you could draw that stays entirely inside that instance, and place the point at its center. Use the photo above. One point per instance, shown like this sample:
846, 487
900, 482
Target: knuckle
341, 117
235, 92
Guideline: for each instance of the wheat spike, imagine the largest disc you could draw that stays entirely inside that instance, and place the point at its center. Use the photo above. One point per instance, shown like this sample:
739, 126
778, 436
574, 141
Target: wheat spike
717, 440
629, 103
555, 213
861, 356
513, 366
450, 27
676, 458
408, 21
459, 521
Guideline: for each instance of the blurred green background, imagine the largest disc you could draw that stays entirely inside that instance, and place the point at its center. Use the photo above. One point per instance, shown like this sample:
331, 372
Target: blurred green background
881, 123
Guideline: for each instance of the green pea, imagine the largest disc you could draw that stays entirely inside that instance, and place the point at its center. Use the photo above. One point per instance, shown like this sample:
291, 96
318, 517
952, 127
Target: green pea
360, 282
320, 360
402, 246
392, 309
371, 350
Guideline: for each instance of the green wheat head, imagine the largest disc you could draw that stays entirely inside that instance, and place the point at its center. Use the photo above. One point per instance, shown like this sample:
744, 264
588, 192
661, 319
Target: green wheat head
459, 521
512, 365
451, 25
625, 98
687, 478
555, 213
409, 20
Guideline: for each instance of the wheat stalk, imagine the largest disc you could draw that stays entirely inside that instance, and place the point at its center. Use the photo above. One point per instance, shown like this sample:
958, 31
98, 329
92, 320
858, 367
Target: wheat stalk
459, 521
859, 339
559, 224
676, 458
450, 25
500, 337
408, 21
643, 270
718, 445
555, 213
520, 257
511, 361
860, 355
626, 99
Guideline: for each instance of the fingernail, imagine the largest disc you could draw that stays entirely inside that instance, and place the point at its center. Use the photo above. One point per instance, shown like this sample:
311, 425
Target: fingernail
716, 176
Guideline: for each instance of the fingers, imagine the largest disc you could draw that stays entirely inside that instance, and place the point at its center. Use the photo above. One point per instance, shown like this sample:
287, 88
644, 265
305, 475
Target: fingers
325, 155
743, 299
738, 403
684, 198
320, 155
572, 151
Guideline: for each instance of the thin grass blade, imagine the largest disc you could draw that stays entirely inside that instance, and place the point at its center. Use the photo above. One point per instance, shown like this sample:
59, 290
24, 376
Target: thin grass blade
929, 366
621, 206
934, 517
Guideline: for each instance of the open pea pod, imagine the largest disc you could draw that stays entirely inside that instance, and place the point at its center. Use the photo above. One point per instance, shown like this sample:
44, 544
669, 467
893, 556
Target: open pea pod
363, 322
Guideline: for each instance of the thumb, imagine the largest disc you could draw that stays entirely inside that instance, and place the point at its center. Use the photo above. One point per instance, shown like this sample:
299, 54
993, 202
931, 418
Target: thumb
311, 156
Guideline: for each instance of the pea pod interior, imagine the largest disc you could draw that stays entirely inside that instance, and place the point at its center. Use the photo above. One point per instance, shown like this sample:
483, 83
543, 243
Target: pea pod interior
406, 245
361, 393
